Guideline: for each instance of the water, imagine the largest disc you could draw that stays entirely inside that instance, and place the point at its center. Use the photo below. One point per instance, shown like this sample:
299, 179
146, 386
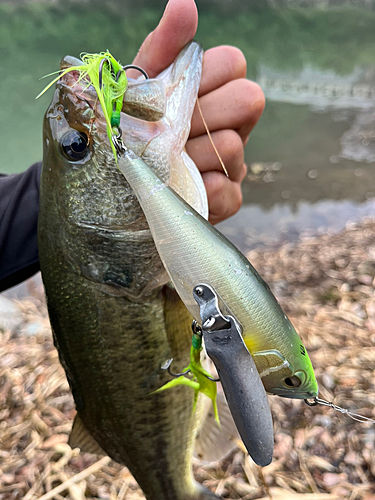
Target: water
312, 155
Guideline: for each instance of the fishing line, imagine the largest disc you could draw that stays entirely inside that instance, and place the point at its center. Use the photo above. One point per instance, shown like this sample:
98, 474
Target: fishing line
345, 411
212, 142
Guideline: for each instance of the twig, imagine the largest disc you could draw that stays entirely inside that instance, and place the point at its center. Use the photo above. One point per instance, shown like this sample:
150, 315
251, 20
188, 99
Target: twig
263, 480
307, 473
123, 490
39, 482
77, 478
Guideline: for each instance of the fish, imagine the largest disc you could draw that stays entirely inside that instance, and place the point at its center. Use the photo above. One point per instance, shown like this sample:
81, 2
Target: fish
194, 252
115, 318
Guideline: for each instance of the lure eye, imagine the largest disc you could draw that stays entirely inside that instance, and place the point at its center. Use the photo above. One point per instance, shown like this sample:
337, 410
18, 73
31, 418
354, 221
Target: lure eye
292, 381
75, 145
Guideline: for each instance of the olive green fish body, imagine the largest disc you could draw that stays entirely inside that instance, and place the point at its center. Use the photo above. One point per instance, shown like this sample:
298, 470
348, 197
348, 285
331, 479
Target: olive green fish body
113, 319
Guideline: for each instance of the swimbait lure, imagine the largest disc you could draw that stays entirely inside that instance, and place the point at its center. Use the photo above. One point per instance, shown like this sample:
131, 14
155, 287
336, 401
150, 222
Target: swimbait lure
194, 252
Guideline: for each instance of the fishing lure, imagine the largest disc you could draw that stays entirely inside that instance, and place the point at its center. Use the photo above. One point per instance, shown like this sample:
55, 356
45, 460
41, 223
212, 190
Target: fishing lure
201, 381
108, 77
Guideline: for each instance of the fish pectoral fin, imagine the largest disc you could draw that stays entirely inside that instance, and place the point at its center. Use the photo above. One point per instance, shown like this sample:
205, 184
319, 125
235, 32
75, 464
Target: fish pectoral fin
81, 438
213, 442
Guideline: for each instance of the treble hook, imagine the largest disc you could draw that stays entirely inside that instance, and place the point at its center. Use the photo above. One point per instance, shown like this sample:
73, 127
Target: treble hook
133, 66
167, 366
197, 330
123, 68
101, 70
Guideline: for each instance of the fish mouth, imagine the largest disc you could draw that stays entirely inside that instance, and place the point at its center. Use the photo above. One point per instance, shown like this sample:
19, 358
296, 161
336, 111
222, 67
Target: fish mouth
72, 79
295, 395
304, 395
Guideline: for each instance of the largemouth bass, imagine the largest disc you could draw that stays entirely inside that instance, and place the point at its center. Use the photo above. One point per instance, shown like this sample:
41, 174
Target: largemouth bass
114, 322
194, 252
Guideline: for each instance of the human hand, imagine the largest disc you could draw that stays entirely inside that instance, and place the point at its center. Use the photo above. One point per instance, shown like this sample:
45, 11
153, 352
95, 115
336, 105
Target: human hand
231, 105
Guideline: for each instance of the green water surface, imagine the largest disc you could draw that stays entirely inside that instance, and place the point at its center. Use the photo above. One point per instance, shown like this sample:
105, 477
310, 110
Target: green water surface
312, 64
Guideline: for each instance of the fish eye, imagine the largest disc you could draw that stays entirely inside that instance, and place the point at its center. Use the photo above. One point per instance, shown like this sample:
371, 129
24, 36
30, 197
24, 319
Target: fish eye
292, 381
75, 145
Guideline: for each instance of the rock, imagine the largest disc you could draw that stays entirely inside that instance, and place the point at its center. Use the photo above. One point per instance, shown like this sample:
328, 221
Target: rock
10, 315
33, 328
330, 479
365, 279
366, 267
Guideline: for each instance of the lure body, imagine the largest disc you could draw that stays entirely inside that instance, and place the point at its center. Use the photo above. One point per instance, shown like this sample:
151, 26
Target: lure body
194, 252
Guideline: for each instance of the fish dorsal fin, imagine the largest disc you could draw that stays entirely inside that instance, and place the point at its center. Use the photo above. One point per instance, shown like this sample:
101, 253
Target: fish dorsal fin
81, 438
214, 442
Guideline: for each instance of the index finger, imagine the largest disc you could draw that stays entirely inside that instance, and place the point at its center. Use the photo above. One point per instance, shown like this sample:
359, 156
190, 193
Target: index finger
220, 66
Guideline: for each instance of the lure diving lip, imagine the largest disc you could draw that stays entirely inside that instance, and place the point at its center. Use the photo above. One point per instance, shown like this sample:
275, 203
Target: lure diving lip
242, 386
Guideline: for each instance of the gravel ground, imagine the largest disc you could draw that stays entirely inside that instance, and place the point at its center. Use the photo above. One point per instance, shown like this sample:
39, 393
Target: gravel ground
326, 286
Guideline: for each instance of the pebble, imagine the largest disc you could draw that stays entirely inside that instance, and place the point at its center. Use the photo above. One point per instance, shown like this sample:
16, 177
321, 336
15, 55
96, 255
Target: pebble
330, 479
10, 315
33, 328
365, 279
312, 174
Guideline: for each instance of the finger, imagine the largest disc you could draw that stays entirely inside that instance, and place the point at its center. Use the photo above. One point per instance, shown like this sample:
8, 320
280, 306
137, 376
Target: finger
230, 148
224, 196
246, 104
220, 66
175, 29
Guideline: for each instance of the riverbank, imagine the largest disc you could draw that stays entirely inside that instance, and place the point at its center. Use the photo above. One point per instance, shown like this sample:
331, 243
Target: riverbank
326, 286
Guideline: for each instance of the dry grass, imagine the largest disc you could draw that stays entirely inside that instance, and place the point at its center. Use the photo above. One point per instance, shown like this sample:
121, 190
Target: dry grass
326, 285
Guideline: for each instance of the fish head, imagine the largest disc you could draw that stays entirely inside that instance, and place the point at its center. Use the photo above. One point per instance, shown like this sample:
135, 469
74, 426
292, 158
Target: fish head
289, 376
79, 166
86, 198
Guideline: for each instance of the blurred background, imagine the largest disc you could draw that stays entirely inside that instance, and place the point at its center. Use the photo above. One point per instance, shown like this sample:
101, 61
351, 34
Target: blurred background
311, 156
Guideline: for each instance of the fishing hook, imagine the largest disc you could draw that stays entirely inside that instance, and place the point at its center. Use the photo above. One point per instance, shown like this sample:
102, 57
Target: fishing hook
101, 70
197, 330
167, 366
212, 379
133, 66
358, 418
123, 68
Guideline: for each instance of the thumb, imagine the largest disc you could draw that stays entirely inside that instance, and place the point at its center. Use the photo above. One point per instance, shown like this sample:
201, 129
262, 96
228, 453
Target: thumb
175, 29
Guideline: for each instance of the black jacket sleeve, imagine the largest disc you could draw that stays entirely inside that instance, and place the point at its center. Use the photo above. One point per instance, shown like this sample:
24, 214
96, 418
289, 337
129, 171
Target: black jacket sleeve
19, 207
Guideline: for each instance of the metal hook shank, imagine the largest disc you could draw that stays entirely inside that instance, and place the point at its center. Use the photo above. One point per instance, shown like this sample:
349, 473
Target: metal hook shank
101, 70
167, 366
133, 66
